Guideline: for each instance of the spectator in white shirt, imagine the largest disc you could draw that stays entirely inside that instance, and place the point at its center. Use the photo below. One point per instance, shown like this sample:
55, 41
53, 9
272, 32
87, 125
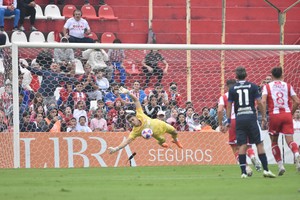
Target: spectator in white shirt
79, 111
76, 29
101, 81
82, 126
72, 126
96, 58
64, 57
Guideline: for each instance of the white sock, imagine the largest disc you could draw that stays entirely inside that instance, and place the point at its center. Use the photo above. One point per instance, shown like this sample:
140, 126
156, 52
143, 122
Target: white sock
280, 164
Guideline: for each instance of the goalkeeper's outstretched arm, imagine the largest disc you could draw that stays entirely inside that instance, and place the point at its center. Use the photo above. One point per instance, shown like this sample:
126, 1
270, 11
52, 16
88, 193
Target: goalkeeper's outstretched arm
120, 146
128, 140
133, 97
135, 100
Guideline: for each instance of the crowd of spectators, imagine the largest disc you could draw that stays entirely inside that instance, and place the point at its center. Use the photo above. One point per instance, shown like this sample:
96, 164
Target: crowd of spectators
18, 10
41, 111
72, 110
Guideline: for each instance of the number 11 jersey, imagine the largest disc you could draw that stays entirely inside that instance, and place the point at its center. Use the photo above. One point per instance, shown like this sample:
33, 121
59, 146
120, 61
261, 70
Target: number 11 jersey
244, 94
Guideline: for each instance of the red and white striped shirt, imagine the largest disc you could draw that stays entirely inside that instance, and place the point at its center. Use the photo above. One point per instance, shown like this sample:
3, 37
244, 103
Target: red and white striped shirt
223, 100
79, 96
279, 95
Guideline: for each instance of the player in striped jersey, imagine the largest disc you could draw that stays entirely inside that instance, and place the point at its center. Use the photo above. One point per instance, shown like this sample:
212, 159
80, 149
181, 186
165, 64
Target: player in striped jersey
282, 103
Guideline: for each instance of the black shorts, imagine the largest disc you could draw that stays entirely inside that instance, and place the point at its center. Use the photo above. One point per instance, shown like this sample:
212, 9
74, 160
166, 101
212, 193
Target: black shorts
247, 131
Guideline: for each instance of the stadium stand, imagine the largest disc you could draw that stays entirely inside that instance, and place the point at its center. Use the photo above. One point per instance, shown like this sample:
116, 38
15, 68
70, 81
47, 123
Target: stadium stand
131, 67
37, 36
9, 17
18, 36
93, 35
52, 12
108, 37
106, 12
7, 38
88, 12
68, 10
39, 12
51, 37
254, 23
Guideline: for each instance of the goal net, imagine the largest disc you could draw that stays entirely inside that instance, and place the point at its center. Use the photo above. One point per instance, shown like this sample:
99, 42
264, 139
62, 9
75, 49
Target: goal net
42, 78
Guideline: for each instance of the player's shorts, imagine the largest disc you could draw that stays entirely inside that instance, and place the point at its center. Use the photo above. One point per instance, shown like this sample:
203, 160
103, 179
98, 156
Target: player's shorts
232, 133
281, 123
247, 131
167, 129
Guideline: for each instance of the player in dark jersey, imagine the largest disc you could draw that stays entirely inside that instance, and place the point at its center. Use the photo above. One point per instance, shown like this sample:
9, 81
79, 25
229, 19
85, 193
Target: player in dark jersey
244, 94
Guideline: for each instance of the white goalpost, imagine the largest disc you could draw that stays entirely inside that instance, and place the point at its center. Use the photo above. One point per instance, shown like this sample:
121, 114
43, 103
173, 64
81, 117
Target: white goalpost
203, 86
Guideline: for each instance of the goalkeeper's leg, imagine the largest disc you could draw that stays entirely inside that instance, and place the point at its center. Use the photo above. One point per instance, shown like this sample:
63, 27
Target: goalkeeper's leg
162, 142
175, 139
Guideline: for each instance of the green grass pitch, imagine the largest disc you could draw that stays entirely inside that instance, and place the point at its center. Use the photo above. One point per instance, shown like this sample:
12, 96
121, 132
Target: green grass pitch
151, 183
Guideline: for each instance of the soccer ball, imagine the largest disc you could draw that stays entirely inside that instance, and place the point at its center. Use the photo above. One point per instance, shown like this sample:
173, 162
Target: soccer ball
147, 133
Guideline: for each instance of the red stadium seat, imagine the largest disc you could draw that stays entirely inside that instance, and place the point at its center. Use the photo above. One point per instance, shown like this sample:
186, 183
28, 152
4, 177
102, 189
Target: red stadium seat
68, 10
93, 35
106, 12
89, 12
130, 67
107, 37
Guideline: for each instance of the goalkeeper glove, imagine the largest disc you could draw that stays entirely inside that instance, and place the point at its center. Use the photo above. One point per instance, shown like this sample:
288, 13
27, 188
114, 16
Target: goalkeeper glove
123, 90
113, 149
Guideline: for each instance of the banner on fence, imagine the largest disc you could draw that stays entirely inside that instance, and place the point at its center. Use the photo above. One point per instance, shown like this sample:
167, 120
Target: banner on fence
68, 150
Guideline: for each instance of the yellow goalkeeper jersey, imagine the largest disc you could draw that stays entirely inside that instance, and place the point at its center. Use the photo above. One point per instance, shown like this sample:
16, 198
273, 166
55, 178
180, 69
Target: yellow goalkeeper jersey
158, 127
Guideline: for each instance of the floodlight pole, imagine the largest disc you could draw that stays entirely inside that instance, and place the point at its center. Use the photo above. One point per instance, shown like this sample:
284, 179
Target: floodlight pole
281, 21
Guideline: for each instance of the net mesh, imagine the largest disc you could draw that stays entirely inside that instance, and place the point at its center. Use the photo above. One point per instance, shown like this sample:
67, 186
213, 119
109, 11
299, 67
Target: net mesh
205, 69
6, 98
43, 93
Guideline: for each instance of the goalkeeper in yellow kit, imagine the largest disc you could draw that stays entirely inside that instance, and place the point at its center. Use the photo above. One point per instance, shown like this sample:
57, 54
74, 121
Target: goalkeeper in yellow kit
140, 121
